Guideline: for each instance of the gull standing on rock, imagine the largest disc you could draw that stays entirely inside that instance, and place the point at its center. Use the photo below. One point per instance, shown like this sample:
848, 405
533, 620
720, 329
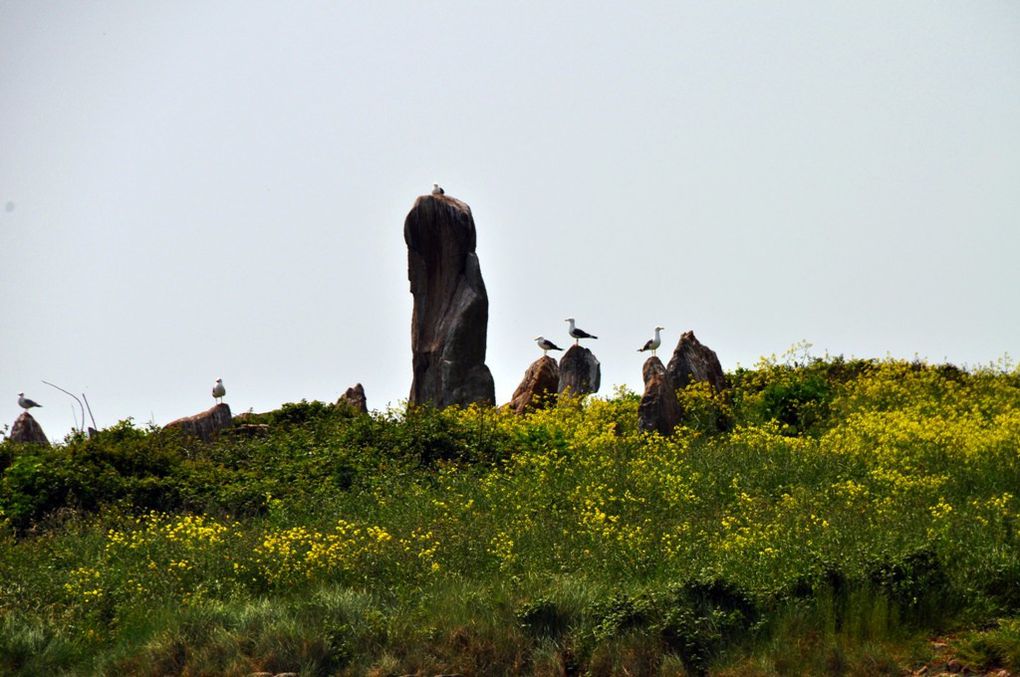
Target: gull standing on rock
653, 343
218, 391
576, 333
437, 189
26, 403
546, 345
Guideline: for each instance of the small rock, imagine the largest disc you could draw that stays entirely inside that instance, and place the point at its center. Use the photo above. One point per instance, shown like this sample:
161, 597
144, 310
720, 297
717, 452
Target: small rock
953, 665
580, 372
537, 388
693, 361
354, 399
27, 429
206, 425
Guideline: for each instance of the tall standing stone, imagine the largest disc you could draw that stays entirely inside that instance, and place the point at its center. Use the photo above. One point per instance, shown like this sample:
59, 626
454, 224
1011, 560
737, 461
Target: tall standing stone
451, 308
27, 429
693, 361
580, 371
659, 409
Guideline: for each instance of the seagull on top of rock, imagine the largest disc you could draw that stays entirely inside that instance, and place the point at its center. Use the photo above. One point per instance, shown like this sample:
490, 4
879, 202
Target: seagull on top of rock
218, 391
437, 189
26, 403
576, 333
546, 345
653, 343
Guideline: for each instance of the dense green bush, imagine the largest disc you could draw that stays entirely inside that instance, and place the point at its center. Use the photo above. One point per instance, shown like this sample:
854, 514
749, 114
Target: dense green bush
855, 501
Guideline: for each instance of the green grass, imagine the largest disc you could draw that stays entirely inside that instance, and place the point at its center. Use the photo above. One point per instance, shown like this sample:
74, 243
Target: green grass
822, 517
996, 647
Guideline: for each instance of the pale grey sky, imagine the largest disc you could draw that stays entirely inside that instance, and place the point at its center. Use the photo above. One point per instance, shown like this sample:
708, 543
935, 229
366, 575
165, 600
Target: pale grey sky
204, 189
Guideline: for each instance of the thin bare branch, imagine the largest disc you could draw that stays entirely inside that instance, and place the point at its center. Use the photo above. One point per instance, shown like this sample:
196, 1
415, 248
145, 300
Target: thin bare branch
80, 406
94, 426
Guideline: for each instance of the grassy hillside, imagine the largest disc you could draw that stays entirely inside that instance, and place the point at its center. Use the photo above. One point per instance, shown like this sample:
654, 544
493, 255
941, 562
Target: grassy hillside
816, 518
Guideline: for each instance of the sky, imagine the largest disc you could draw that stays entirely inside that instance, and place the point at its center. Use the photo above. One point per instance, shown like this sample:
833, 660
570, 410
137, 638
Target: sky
193, 190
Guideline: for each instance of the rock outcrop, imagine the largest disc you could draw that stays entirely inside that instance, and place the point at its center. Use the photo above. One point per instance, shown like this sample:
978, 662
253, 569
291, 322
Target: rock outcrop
538, 387
659, 409
580, 372
693, 361
354, 399
451, 308
27, 429
206, 425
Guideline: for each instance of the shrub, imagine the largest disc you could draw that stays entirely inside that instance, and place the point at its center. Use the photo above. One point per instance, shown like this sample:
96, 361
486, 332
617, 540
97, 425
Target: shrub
838, 502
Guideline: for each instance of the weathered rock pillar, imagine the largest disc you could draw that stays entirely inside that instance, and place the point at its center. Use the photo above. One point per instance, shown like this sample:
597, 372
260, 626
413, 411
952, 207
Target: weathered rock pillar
539, 386
451, 308
27, 429
693, 361
354, 399
580, 372
659, 409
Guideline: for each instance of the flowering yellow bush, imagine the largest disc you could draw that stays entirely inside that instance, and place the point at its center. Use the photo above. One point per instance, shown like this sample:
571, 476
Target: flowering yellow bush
882, 473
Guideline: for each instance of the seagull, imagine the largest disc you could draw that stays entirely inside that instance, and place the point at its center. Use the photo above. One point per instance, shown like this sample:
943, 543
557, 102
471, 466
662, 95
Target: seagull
578, 333
546, 345
654, 343
437, 189
26, 403
218, 391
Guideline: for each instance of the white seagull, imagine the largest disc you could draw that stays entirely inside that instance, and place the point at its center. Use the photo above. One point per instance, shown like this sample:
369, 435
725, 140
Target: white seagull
576, 333
654, 343
218, 391
437, 189
546, 345
26, 403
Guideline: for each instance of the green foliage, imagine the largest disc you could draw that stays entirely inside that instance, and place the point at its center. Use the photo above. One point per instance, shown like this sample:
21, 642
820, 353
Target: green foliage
831, 507
919, 587
704, 409
29, 646
799, 403
797, 395
997, 647
694, 620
